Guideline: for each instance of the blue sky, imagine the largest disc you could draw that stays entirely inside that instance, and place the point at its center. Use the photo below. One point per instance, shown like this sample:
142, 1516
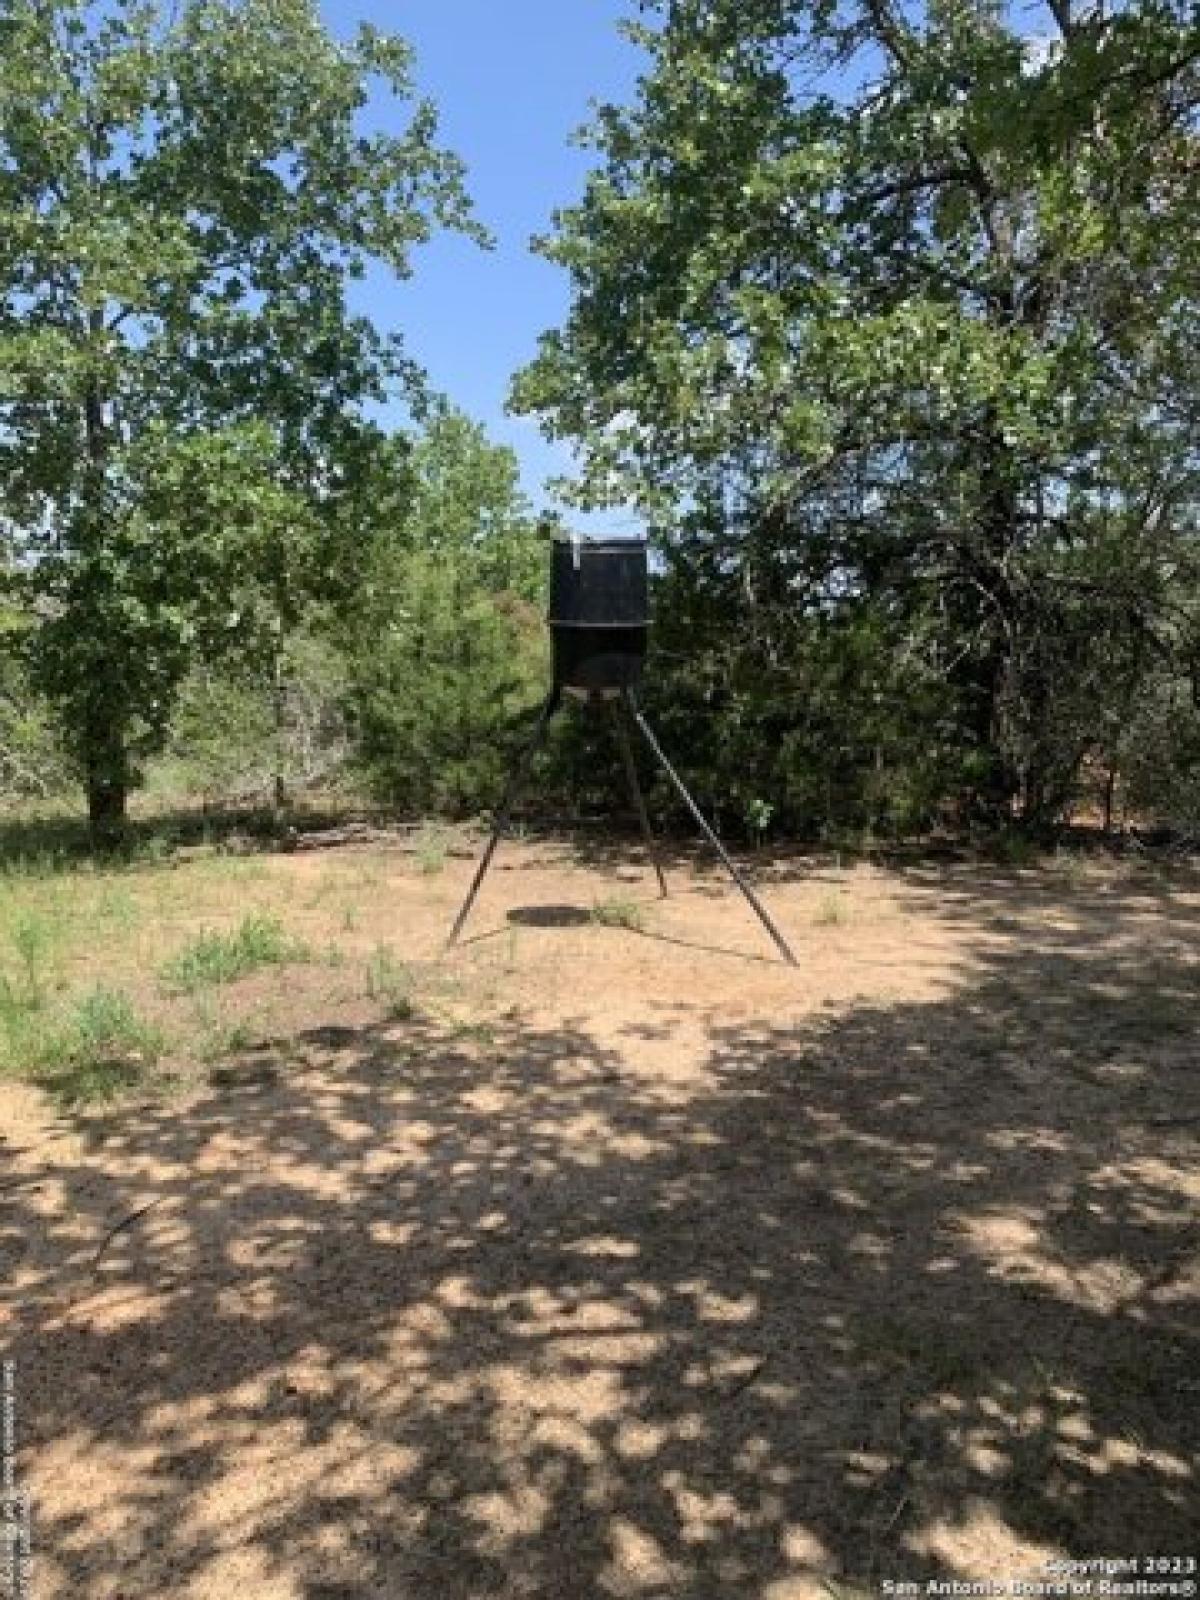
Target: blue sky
512, 81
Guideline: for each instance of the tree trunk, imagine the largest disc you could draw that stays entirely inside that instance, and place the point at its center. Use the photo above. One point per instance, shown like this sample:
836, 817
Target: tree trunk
1038, 785
279, 709
990, 617
107, 778
105, 756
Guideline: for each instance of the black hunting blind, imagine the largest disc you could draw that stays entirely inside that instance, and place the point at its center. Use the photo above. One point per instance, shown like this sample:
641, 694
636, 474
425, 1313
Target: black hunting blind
600, 625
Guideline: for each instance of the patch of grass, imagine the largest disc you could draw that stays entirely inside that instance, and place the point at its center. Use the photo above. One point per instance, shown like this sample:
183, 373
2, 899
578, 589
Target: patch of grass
617, 912
36, 866
830, 912
20, 1026
325, 885
231, 864
361, 871
36, 846
102, 1050
25, 987
1015, 850
476, 1032
390, 982
216, 958
32, 936
1071, 867
218, 1035
432, 849
117, 907
156, 848
22, 991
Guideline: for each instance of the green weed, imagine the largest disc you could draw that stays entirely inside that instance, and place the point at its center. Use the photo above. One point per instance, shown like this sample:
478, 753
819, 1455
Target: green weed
20, 1026
23, 991
830, 912
1015, 850
157, 848
390, 982
619, 913
36, 866
219, 1035
475, 1032
103, 1048
228, 864
758, 818
117, 907
216, 958
432, 849
32, 936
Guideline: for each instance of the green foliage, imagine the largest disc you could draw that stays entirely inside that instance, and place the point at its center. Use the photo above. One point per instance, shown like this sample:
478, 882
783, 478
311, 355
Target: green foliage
1159, 755
1015, 850
447, 649
390, 982
437, 693
432, 848
185, 194
217, 958
758, 817
102, 1051
831, 912
33, 762
881, 314
32, 936
220, 743
466, 501
18, 1022
28, 976
216, 1035
226, 744
96, 1050
22, 997
618, 912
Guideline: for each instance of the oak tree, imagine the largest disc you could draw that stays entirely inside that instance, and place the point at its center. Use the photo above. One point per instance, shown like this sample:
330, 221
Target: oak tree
187, 193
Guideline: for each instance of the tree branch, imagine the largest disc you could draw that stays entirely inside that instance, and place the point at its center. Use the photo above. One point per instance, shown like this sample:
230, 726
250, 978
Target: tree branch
920, 180
1062, 14
891, 31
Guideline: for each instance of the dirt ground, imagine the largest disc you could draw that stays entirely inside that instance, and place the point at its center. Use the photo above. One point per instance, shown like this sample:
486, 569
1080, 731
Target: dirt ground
635, 1264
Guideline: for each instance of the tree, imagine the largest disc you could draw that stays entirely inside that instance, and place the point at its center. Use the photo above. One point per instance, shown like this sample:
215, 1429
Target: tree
881, 315
185, 194
467, 500
32, 760
446, 643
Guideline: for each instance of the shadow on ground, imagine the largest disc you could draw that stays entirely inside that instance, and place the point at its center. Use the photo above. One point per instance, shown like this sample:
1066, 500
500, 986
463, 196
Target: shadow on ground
900, 1293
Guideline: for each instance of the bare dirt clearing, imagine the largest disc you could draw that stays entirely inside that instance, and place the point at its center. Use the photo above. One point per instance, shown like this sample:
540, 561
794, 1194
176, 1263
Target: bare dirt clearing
632, 1263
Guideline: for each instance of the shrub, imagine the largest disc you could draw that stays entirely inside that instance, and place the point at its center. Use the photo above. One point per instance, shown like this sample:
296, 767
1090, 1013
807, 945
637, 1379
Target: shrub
439, 687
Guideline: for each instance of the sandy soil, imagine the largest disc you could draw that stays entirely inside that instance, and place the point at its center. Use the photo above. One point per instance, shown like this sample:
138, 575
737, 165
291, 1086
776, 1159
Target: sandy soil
636, 1264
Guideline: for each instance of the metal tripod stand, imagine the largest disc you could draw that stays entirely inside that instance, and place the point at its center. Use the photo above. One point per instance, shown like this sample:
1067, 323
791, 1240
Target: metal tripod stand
623, 703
